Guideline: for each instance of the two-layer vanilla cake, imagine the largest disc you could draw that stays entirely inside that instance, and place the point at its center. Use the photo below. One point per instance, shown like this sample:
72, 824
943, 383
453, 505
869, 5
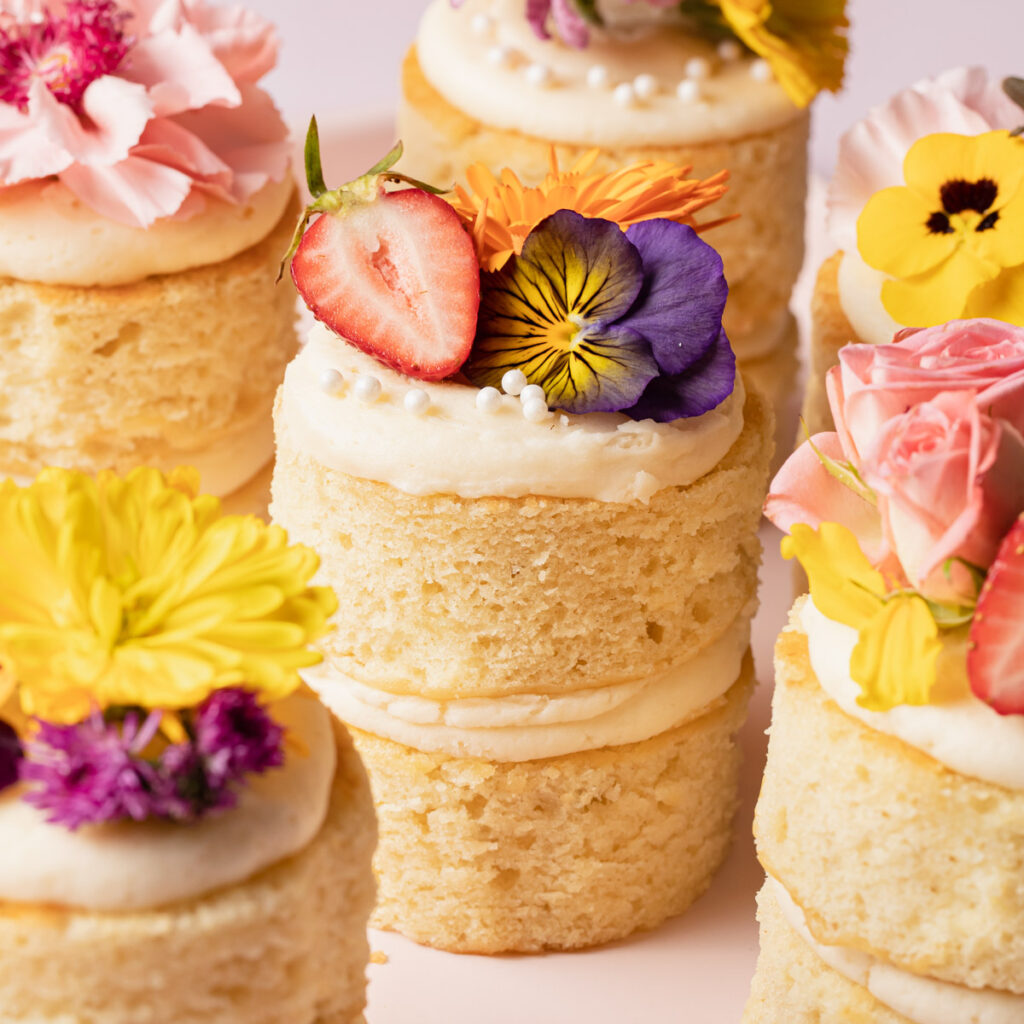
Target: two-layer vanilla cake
500, 82
891, 818
536, 491
145, 200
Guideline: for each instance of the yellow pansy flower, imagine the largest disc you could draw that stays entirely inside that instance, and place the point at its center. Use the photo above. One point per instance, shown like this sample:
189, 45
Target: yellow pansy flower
802, 40
952, 239
894, 661
136, 591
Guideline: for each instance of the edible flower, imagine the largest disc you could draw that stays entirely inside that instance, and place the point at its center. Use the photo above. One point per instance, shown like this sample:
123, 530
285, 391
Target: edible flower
952, 238
595, 316
108, 768
501, 212
137, 592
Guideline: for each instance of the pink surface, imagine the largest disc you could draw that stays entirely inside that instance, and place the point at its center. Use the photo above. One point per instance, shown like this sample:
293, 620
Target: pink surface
695, 970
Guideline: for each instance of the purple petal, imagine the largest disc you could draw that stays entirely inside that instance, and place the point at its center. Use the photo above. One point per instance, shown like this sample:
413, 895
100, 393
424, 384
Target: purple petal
679, 310
10, 755
537, 15
698, 390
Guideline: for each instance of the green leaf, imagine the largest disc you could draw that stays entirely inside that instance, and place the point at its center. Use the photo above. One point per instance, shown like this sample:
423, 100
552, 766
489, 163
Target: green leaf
389, 161
845, 472
950, 616
1014, 88
314, 170
589, 12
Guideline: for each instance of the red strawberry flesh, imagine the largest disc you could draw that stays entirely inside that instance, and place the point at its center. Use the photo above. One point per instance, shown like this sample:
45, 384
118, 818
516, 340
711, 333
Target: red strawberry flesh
995, 658
397, 277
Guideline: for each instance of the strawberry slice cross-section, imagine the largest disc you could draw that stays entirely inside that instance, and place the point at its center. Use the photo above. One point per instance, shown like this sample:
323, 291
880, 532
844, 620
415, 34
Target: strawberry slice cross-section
995, 657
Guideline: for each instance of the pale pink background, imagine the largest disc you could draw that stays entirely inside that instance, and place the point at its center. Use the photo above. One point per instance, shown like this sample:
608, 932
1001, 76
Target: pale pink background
341, 56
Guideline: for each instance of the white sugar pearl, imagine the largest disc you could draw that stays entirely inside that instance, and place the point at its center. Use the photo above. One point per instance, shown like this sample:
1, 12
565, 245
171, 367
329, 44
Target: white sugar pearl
482, 24
729, 49
598, 77
688, 90
536, 410
761, 70
645, 86
331, 381
513, 383
488, 399
533, 392
416, 402
698, 68
367, 388
539, 75
500, 56
624, 95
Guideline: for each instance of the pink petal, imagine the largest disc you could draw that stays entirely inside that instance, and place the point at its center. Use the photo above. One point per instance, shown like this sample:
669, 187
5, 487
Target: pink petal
241, 40
571, 27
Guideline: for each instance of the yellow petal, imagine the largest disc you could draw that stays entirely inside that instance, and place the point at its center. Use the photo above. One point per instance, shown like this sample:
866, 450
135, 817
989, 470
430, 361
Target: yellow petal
893, 234
1003, 243
895, 658
1002, 298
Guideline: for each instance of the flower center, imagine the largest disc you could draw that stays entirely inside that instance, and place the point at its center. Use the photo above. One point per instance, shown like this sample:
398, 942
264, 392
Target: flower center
959, 196
66, 53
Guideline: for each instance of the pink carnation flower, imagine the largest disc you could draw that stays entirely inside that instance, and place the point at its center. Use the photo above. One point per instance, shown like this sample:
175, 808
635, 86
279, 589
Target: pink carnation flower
141, 108
963, 101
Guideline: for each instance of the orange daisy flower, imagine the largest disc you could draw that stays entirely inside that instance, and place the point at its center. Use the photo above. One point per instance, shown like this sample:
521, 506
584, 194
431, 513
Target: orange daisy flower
501, 212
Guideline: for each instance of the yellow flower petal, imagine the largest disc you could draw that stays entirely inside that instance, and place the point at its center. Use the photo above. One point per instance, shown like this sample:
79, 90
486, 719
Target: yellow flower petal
1003, 243
939, 295
895, 660
1002, 298
893, 237
845, 586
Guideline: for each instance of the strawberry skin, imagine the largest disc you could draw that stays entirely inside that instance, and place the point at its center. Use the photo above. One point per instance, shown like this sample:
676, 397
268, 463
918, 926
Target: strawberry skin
397, 277
995, 656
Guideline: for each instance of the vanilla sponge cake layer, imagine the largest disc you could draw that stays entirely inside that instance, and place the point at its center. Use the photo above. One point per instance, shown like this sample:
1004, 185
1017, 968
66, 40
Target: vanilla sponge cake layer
887, 851
144, 373
447, 597
793, 985
289, 945
763, 250
561, 853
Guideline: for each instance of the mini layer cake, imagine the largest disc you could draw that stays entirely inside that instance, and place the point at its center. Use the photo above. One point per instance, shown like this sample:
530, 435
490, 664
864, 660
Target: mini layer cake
137, 259
927, 137
891, 818
185, 833
483, 84
546, 582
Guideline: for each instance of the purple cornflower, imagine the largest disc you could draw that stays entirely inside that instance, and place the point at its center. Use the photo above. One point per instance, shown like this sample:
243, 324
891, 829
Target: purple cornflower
67, 53
236, 737
92, 771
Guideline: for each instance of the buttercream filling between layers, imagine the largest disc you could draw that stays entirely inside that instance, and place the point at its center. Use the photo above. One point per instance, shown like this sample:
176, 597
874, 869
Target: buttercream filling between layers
50, 237
133, 866
454, 448
919, 998
958, 730
528, 727
459, 61
860, 298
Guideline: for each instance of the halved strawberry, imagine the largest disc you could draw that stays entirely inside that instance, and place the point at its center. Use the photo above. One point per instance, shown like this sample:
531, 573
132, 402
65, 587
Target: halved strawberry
395, 273
995, 656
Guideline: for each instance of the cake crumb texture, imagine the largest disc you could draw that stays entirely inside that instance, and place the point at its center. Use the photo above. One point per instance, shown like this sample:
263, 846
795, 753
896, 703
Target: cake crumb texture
288, 946
98, 378
887, 851
561, 853
446, 597
793, 985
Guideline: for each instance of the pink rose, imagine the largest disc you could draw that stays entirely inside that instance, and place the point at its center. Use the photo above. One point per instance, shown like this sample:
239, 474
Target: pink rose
874, 383
950, 483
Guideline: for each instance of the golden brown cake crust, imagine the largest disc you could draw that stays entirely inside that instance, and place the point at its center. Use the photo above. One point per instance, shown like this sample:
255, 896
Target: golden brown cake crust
763, 250
117, 377
287, 945
888, 851
560, 853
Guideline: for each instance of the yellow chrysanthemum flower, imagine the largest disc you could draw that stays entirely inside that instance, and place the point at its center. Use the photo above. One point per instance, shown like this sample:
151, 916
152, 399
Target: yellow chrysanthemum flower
802, 40
894, 661
501, 212
952, 239
134, 591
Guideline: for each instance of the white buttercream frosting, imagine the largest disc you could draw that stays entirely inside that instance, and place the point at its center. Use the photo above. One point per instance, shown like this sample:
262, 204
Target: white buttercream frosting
527, 727
958, 730
131, 866
231, 462
490, 75
50, 237
456, 447
917, 997
860, 298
